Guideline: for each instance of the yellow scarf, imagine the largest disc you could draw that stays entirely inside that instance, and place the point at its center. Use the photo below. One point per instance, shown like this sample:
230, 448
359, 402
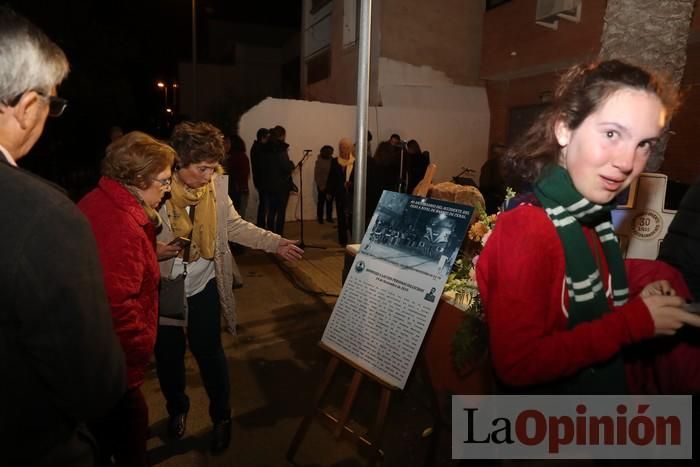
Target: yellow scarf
204, 232
345, 148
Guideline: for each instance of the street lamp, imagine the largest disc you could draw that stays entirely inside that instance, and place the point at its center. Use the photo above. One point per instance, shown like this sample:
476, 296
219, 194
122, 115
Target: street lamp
164, 87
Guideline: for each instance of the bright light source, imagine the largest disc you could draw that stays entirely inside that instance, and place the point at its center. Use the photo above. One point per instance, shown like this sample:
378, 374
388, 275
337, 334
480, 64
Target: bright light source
160, 84
169, 110
174, 85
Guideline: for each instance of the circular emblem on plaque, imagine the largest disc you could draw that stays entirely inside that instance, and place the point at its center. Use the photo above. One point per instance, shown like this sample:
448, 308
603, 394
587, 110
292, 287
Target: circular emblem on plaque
647, 224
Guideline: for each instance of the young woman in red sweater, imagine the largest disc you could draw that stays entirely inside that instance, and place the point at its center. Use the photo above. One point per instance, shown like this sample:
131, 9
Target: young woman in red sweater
552, 278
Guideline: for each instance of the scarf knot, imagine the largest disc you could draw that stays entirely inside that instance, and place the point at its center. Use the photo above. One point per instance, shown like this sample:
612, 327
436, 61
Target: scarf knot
203, 231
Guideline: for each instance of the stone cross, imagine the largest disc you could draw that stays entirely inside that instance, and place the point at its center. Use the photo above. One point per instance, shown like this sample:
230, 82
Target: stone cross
642, 222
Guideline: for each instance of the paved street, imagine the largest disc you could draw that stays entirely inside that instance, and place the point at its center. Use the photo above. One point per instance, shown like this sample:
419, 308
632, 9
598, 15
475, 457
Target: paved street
276, 366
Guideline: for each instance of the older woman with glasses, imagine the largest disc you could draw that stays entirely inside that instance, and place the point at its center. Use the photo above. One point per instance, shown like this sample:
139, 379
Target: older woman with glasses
122, 211
200, 208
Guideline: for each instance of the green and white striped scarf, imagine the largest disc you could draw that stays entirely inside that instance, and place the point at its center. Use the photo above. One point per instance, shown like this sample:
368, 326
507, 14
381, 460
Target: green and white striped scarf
569, 211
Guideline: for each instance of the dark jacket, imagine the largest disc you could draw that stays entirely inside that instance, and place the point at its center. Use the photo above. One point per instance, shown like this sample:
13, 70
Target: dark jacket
335, 184
681, 246
322, 168
277, 172
59, 357
256, 162
416, 165
238, 170
126, 241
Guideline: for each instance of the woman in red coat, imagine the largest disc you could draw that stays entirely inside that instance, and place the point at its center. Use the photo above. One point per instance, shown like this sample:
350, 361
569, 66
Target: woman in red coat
560, 327
122, 211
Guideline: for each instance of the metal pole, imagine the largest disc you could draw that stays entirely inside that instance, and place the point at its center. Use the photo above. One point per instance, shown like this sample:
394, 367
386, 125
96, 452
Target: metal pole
175, 98
358, 216
194, 60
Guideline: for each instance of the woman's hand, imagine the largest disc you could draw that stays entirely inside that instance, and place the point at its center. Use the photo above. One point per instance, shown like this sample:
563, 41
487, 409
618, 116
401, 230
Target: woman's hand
166, 251
287, 249
668, 314
662, 287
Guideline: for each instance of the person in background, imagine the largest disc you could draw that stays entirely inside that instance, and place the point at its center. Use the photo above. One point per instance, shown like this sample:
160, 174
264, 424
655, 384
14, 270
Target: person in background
339, 186
59, 356
321, 170
562, 327
122, 212
369, 144
681, 246
491, 182
278, 175
198, 185
238, 170
395, 140
416, 163
258, 165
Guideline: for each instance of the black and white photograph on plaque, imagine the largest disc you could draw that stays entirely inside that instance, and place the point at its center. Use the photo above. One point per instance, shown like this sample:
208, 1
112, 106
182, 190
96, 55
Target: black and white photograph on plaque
416, 233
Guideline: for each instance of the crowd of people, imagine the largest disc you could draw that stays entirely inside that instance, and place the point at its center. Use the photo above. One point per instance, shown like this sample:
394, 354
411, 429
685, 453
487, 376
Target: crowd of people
395, 166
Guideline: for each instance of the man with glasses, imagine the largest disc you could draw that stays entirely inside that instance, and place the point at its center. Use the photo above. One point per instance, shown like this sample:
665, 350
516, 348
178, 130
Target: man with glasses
60, 361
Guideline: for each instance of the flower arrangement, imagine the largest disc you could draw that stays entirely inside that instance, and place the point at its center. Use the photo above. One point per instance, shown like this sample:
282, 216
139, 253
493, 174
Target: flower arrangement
471, 339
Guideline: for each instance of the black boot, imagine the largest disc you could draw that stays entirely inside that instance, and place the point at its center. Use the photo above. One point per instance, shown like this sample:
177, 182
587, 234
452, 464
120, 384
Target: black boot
177, 425
221, 436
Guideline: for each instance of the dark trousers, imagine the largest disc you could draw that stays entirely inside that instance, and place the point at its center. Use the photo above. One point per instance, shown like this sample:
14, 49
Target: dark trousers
341, 210
123, 432
263, 200
276, 210
323, 200
204, 336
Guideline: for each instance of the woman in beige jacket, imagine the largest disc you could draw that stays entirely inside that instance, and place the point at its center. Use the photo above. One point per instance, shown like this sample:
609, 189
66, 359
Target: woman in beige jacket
197, 184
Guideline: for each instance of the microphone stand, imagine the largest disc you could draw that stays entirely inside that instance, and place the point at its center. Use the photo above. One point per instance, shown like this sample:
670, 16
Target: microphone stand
300, 166
402, 184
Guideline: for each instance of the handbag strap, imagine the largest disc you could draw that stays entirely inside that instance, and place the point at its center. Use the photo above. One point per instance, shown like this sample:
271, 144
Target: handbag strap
186, 253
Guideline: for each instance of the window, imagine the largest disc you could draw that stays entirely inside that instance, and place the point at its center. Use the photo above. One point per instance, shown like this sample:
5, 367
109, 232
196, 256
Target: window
494, 3
318, 67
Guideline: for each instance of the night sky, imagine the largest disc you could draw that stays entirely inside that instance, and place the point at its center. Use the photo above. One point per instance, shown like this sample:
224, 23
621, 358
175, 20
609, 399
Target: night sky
118, 50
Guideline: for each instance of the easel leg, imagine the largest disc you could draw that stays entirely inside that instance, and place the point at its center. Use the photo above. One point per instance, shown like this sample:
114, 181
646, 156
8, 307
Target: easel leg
306, 421
347, 404
379, 426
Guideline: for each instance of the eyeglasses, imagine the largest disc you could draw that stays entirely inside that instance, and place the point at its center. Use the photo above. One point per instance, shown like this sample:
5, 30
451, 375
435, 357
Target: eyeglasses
164, 181
57, 105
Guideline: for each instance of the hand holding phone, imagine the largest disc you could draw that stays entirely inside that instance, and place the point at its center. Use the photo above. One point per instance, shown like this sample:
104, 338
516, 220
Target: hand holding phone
180, 242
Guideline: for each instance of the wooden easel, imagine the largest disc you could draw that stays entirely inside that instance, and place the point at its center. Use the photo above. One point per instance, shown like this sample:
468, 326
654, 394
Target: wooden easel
338, 425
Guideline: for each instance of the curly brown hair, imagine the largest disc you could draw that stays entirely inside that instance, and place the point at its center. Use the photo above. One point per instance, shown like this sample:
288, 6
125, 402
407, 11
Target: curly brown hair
197, 142
580, 92
135, 158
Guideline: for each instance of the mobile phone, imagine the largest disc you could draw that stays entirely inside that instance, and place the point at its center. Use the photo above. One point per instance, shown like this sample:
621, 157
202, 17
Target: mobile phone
693, 307
181, 242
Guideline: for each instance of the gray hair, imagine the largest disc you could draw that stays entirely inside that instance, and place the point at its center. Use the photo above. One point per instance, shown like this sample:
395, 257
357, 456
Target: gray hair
29, 60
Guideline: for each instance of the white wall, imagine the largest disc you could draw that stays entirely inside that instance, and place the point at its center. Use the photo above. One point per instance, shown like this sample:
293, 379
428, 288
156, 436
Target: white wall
456, 136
